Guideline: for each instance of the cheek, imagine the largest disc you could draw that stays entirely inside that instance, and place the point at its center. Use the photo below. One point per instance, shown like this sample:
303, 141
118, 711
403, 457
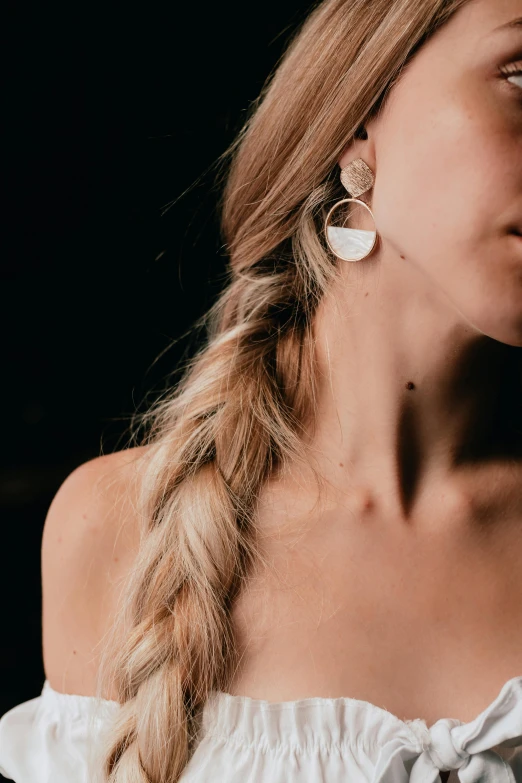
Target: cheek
442, 178
444, 193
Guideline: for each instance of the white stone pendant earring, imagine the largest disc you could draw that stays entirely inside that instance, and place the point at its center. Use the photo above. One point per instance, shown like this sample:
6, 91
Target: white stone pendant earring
344, 240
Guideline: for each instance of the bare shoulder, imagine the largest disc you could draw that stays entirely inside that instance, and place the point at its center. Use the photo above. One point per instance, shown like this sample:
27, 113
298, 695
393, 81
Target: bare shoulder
90, 537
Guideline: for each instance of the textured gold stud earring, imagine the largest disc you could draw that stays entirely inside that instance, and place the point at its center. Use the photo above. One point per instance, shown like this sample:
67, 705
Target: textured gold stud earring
345, 241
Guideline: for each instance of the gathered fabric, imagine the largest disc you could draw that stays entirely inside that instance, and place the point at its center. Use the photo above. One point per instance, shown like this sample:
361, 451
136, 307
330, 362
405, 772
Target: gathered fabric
54, 738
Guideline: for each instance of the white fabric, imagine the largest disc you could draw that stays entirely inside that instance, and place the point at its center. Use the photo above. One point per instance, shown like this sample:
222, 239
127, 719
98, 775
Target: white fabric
49, 739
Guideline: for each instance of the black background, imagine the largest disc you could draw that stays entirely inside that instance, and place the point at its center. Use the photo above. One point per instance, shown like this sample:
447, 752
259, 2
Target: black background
111, 113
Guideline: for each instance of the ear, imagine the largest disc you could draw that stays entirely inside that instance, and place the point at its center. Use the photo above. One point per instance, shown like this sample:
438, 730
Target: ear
358, 147
348, 154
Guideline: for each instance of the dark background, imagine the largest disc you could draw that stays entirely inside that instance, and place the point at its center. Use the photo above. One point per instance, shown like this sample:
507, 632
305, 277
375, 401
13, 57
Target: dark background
111, 113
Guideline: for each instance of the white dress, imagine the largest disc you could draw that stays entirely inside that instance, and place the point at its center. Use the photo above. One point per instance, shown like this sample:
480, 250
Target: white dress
51, 739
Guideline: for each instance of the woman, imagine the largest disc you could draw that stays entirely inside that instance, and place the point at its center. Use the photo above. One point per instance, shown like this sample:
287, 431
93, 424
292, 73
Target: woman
321, 571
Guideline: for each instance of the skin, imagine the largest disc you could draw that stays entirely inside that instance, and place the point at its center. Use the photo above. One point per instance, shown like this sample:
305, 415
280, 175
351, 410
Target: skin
439, 301
399, 584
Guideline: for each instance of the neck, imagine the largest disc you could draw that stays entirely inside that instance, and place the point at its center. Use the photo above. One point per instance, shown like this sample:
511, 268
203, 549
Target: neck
409, 392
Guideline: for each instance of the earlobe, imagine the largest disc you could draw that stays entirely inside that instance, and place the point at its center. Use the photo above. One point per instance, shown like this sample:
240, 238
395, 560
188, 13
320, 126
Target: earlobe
347, 156
350, 151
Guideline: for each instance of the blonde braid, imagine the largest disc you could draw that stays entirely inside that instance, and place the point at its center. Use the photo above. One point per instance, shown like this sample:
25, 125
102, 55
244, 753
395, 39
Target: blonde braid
233, 421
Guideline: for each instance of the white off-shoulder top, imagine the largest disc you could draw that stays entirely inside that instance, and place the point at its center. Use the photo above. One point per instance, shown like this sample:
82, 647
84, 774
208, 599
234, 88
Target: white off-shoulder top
52, 739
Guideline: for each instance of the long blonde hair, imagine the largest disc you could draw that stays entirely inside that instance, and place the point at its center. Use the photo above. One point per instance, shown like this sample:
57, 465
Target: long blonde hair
246, 399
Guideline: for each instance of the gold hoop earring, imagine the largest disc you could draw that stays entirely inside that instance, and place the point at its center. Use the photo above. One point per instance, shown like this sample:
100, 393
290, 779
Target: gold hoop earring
348, 243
